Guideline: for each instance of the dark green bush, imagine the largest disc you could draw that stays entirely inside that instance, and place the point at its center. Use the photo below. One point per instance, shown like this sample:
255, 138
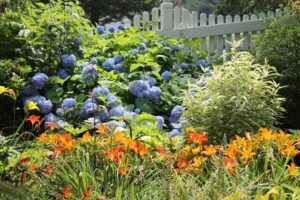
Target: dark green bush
280, 44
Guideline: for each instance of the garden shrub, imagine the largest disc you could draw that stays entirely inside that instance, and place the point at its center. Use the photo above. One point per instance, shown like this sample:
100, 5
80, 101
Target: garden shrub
237, 96
280, 44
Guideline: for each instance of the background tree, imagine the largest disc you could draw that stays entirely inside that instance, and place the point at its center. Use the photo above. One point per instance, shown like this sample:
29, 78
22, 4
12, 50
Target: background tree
233, 7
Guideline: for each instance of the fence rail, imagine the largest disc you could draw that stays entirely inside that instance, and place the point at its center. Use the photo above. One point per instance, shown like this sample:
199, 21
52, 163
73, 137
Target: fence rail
177, 22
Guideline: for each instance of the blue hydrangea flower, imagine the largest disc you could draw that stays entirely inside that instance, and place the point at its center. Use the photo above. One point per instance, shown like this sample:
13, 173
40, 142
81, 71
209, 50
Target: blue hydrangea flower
94, 61
76, 41
88, 109
29, 90
61, 123
155, 93
202, 84
108, 64
166, 75
68, 103
100, 30
137, 110
45, 106
140, 88
174, 133
39, 80
68, 60
184, 65
117, 111
134, 52
63, 74
111, 100
118, 59
103, 115
111, 29
152, 81
60, 112
120, 27
177, 48
160, 121
50, 118
115, 124
142, 46
176, 114
89, 72
201, 63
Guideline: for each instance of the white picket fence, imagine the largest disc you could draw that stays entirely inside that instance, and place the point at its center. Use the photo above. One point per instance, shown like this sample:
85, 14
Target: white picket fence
214, 30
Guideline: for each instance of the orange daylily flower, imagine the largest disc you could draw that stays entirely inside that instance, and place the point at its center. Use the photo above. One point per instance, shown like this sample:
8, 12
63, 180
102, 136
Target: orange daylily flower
293, 171
67, 193
51, 126
190, 129
229, 164
197, 161
196, 150
49, 170
116, 154
43, 138
87, 193
123, 170
33, 119
86, 138
182, 164
140, 149
247, 154
267, 134
231, 150
33, 167
57, 151
290, 149
102, 129
211, 150
197, 138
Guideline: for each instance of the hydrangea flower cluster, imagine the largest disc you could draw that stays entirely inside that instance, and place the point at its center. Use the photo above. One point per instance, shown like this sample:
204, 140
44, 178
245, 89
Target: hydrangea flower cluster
166, 75
44, 105
53, 119
68, 103
134, 52
160, 121
89, 72
152, 81
141, 88
184, 65
176, 114
88, 109
39, 80
63, 74
68, 60
201, 63
113, 63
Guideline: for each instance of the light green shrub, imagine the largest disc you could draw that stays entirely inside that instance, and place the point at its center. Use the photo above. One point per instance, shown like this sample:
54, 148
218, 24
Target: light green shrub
238, 96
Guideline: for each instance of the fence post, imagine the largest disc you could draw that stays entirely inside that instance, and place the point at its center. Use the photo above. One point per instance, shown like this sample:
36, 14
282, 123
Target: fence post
167, 20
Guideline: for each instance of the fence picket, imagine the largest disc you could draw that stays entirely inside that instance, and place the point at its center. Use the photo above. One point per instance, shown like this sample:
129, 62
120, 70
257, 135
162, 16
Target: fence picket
185, 18
203, 22
155, 19
246, 35
177, 18
278, 13
212, 40
146, 19
221, 41
228, 36
195, 19
137, 21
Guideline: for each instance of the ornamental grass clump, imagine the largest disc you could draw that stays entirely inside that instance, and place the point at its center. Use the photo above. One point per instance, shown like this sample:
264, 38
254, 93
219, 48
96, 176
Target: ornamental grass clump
237, 96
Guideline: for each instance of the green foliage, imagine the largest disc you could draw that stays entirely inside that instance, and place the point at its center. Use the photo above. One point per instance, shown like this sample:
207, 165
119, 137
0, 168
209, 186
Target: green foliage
281, 46
233, 7
205, 6
238, 96
43, 32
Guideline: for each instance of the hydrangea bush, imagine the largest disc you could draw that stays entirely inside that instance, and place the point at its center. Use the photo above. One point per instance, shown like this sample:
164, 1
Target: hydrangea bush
122, 73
